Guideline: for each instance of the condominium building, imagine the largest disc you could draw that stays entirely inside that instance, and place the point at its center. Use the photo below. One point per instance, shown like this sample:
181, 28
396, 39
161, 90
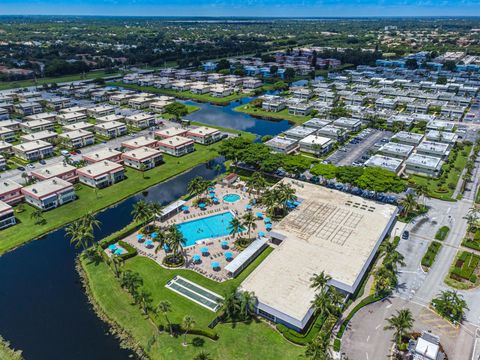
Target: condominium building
49, 194
10, 192
176, 145
33, 150
7, 216
103, 154
77, 139
63, 171
142, 158
111, 129
141, 120
29, 127
204, 135
45, 135
101, 174
142, 141
169, 132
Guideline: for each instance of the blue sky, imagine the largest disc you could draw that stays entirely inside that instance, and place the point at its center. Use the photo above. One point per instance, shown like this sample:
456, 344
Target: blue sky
305, 8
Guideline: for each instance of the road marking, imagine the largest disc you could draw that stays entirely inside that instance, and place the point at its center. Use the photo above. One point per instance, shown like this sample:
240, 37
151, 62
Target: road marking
378, 326
366, 355
368, 338
389, 306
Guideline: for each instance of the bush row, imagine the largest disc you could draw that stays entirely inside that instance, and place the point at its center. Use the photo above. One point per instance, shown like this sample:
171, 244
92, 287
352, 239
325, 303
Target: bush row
305, 337
131, 251
432, 251
466, 271
442, 233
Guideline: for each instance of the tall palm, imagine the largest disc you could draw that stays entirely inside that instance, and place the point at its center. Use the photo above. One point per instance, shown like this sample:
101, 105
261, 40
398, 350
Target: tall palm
320, 348
393, 259
286, 193
270, 200
230, 305
256, 182
401, 324
76, 231
161, 240
141, 212
145, 300
322, 303
235, 226
131, 281
451, 305
90, 221
188, 323
472, 217
116, 262
165, 307
320, 281
423, 192
175, 240
409, 204
248, 300
248, 220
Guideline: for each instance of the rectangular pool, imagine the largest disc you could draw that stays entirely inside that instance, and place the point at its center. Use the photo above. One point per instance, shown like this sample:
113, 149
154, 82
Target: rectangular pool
209, 227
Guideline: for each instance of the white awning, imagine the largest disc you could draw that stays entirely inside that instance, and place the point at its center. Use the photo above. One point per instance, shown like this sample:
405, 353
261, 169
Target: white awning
172, 207
245, 255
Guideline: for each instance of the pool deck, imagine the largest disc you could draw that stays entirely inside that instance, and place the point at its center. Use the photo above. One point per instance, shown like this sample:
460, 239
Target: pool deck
216, 251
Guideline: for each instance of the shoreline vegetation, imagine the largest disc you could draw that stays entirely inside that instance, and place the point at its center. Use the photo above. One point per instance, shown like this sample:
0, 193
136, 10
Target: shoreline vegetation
91, 200
7, 353
269, 115
147, 335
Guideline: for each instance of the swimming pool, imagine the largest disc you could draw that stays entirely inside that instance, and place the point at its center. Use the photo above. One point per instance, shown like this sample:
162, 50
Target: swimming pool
231, 198
205, 228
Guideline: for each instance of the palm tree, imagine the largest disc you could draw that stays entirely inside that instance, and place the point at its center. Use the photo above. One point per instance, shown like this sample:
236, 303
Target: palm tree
161, 240
472, 218
37, 215
116, 262
409, 204
235, 226
422, 191
142, 168
248, 300
322, 303
320, 348
197, 186
230, 305
90, 221
393, 259
248, 220
165, 307
320, 281
256, 182
202, 356
270, 200
451, 305
187, 324
285, 193
401, 324
76, 231
175, 240
145, 300
131, 281
141, 212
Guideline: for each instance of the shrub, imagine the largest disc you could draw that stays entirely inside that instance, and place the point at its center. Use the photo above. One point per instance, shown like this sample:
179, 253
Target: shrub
172, 261
302, 338
337, 344
119, 235
465, 265
432, 251
131, 251
442, 233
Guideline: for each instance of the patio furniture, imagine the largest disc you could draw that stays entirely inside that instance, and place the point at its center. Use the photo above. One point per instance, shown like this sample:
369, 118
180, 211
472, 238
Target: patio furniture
140, 237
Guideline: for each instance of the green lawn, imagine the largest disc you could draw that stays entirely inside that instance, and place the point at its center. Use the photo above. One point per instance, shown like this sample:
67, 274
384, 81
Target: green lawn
237, 341
452, 177
59, 79
184, 94
281, 115
87, 199
190, 109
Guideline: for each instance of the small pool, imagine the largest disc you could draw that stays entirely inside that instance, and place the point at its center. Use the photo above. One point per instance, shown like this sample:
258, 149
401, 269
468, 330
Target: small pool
231, 198
205, 228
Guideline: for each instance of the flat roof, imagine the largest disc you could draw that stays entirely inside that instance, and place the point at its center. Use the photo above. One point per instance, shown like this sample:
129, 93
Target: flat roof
75, 134
71, 115
426, 161
300, 131
102, 154
46, 187
171, 131
408, 136
433, 146
203, 131
32, 145
41, 135
4, 207
99, 168
441, 136
141, 153
281, 142
315, 140
111, 117
329, 231
54, 170
139, 142
82, 125
317, 123
109, 125
139, 117
7, 185
33, 123
385, 162
175, 141
397, 148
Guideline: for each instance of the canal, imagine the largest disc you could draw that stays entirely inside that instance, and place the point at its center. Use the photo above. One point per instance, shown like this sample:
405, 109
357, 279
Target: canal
45, 311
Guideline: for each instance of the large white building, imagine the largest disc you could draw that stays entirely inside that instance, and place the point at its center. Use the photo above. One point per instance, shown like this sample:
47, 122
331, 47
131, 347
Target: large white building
330, 231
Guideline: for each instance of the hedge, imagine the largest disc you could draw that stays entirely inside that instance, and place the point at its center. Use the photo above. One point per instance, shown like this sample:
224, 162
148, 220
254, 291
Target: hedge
201, 332
442, 233
432, 251
119, 235
131, 251
305, 337
472, 244
367, 301
337, 344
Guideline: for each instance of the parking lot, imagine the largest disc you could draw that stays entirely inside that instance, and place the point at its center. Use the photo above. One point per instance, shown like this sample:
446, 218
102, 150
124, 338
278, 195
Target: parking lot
356, 152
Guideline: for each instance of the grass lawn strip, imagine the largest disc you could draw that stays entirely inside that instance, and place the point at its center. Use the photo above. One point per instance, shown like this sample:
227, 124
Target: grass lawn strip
236, 341
280, 115
88, 200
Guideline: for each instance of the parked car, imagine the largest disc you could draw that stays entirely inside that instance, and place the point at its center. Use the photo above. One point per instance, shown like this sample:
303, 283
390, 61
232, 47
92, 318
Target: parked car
21, 168
43, 162
405, 235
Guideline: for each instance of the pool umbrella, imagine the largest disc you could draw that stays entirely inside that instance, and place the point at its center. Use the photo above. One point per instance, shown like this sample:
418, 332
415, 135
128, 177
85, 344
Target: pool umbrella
267, 220
259, 215
118, 252
215, 200
268, 226
211, 188
228, 255
154, 235
166, 247
149, 243
185, 208
212, 194
196, 258
140, 237
248, 207
224, 244
296, 203
261, 234
215, 264
204, 250
202, 205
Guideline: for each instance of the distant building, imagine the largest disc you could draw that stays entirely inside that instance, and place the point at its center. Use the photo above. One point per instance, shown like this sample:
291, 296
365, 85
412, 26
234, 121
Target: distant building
33, 150
7, 216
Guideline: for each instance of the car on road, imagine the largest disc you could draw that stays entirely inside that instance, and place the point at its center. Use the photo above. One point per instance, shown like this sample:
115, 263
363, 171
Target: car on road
21, 168
31, 166
405, 235
43, 162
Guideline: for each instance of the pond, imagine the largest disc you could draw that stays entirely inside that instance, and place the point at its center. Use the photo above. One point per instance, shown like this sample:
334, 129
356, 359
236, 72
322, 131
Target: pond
45, 311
